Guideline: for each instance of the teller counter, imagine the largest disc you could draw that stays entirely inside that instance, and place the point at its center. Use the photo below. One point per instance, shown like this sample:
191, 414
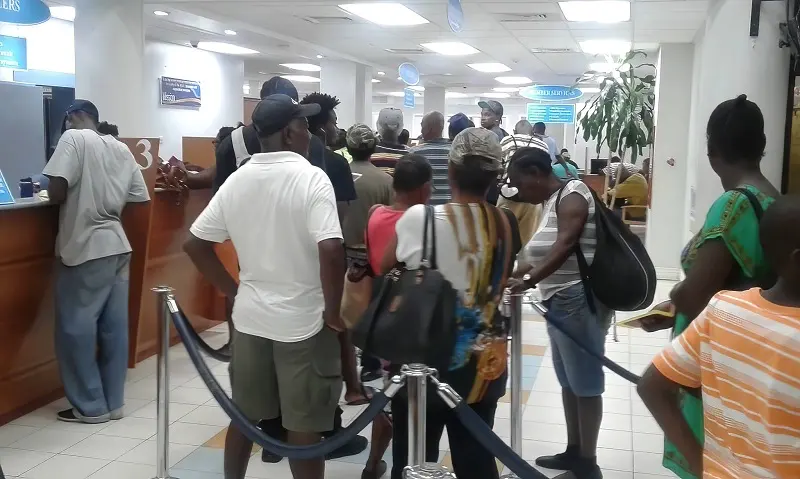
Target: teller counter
156, 230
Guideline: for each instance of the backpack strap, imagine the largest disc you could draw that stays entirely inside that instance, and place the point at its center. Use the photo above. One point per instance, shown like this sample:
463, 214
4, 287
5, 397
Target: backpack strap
583, 265
239, 146
430, 259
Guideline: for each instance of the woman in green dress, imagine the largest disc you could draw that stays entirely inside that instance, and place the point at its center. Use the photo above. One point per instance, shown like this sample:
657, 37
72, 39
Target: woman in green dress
726, 253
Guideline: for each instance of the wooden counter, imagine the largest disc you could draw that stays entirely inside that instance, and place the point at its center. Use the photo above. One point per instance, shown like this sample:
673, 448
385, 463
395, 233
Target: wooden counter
156, 230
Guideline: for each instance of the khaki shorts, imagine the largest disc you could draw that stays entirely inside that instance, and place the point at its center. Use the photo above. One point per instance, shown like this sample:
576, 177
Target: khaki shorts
300, 382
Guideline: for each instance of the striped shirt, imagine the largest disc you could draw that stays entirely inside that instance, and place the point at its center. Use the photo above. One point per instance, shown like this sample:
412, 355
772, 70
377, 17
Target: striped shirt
437, 152
744, 352
546, 234
512, 143
386, 156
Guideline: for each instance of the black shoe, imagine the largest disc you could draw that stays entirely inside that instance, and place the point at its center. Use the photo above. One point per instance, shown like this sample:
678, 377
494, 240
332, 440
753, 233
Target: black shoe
369, 376
583, 469
379, 471
270, 457
564, 461
356, 446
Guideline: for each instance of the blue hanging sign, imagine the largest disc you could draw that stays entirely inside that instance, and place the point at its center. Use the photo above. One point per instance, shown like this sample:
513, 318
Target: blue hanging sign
408, 73
455, 15
550, 93
409, 101
550, 114
13, 52
6, 198
180, 93
24, 12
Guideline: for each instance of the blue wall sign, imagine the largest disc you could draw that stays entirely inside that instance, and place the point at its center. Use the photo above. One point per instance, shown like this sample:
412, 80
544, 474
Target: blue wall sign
24, 12
551, 114
455, 15
13, 52
550, 93
409, 101
181, 93
6, 198
408, 73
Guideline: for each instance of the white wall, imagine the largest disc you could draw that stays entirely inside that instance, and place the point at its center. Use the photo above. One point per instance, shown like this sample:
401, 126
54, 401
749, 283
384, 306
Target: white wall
51, 46
731, 63
221, 78
666, 218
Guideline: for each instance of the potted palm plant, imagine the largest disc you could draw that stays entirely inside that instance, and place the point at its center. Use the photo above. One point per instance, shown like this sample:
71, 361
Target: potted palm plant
621, 115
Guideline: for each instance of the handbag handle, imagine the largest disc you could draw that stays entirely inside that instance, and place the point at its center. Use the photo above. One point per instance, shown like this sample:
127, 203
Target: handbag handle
429, 261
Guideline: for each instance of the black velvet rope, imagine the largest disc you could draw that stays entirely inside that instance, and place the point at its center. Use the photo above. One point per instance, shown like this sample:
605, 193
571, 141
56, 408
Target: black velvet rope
222, 354
240, 421
499, 449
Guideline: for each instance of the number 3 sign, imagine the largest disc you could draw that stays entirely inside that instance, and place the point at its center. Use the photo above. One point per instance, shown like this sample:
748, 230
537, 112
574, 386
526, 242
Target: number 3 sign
145, 152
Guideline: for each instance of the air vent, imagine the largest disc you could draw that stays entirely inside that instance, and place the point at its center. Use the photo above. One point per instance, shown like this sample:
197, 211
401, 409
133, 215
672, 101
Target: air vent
328, 20
406, 51
521, 17
553, 50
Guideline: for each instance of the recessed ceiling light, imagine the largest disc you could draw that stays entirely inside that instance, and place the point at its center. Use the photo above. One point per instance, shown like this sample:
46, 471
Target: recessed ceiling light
589, 89
301, 78
489, 67
319, 57
375, 80
600, 11
455, 94
396, 93
230, 32
389, 14
605, 47
604, 67
160, 13
381, 73
450, 48
416, 88
63, 13
303, 67
228, 48
506, 89
495, 95
514, 80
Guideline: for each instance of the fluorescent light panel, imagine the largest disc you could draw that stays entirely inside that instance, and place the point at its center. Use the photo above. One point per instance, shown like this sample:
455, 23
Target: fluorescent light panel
455, 94
230, 32
450, 48
416, 88
489, 67
495, 95
605, 47
303, 67
387, 14
506, 89
63, 13
514, 80
598, 11
160, 13
589, 90
375, 80
301, 78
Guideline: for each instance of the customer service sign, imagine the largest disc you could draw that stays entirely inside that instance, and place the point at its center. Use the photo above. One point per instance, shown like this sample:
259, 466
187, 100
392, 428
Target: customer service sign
13, 53
24, 12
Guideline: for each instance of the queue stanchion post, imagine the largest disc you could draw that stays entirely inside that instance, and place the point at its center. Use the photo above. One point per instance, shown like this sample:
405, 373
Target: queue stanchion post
162, 395
512, 304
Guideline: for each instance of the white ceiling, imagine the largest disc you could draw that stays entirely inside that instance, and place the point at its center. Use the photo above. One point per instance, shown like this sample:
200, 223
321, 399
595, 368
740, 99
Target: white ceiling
504, 31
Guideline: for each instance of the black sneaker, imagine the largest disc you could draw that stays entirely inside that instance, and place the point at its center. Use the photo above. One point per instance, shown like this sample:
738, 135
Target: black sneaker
564, 461
356, 446
379, 471
369, 376
270, 457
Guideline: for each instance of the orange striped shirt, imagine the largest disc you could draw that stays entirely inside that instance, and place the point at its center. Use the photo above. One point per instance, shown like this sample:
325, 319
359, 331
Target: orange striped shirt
745, 354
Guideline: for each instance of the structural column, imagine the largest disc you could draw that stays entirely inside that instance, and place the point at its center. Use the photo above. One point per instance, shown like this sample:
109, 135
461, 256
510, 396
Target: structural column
665, 221
109, 59
352, 84
434, 100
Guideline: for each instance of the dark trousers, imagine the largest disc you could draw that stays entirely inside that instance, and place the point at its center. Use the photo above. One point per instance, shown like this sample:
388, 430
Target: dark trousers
470, 459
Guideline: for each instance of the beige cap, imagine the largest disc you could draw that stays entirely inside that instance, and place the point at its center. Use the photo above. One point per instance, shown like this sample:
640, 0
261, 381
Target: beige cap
477, 142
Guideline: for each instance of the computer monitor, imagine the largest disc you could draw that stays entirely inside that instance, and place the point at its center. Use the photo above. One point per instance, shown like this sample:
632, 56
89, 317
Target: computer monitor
597, 164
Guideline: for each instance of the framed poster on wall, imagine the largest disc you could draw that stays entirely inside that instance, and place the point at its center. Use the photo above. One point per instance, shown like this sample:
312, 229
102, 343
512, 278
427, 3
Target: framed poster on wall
180, 93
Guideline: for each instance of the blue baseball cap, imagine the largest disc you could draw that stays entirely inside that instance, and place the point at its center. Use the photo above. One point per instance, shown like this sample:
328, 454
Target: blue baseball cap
458, 123
84, 106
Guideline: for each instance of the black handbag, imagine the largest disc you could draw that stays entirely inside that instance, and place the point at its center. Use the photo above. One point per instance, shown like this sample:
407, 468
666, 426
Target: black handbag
411, 319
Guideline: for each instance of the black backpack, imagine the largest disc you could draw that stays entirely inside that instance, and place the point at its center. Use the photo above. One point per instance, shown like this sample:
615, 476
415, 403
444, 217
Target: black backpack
622, 276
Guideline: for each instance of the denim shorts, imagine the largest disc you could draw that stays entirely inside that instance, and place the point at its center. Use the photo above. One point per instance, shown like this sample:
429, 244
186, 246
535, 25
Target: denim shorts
577, 370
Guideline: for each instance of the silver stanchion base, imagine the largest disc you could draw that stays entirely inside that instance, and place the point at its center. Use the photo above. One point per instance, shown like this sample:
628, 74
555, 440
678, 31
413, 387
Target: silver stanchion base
509, 476
427, 471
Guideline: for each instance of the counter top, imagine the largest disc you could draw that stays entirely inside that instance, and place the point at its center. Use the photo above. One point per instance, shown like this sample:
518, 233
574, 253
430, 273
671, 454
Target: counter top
25, 203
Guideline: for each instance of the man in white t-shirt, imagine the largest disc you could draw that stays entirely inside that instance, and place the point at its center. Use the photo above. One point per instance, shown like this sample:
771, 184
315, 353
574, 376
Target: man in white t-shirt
280, 213
92, 177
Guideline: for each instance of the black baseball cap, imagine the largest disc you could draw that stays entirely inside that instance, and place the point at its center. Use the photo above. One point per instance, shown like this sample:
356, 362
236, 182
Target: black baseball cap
276, 85
84, 106
495, 106
275, 112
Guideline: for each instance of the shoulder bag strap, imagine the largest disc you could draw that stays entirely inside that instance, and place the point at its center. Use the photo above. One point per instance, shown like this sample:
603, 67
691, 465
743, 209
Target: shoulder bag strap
583, 265
757, 208
508, 245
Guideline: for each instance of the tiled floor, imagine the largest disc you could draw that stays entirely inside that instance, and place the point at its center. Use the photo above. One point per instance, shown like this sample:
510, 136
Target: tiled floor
36, 446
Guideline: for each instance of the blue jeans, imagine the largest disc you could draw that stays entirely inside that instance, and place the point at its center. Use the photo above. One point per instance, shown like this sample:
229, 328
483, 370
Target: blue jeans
92, 333
577, 370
